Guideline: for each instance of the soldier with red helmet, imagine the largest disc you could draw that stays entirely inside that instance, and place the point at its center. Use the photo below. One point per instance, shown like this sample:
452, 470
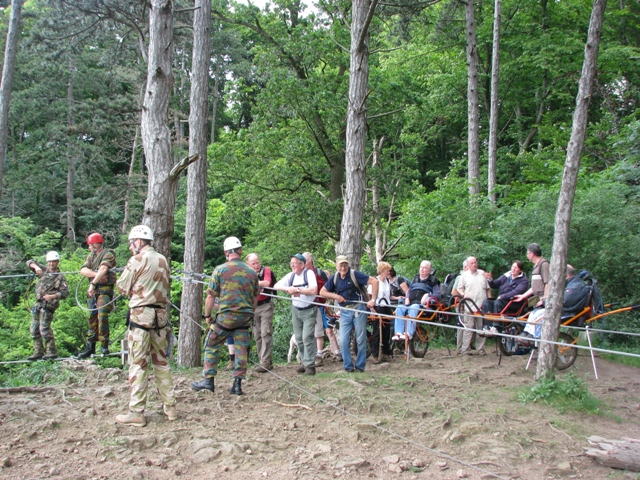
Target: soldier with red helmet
98, 269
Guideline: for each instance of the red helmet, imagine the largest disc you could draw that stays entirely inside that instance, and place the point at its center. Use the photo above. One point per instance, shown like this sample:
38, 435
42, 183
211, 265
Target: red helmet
94, 238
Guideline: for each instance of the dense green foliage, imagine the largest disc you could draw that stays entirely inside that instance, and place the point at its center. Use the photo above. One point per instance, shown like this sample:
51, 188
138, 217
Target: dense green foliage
569, 393
276, 167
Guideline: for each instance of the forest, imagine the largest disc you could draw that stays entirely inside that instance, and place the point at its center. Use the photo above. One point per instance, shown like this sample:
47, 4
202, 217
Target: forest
278, 137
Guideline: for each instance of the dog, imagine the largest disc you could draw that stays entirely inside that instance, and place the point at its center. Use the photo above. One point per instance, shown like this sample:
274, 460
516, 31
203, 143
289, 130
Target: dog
293, 345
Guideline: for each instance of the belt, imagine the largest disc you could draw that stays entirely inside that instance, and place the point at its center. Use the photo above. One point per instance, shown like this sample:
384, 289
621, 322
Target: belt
262, 302
305, 308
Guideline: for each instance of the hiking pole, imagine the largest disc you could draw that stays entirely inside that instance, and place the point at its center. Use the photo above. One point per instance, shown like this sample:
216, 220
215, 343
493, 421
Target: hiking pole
593, 357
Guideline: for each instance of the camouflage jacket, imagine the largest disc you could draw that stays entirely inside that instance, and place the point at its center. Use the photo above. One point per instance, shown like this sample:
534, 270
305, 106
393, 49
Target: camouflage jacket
50, 283
236, 285
105, 257
145, 279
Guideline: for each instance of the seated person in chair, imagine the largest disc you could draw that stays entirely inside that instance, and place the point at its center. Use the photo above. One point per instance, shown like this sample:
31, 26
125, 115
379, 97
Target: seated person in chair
424, 290
510, 284
576, 295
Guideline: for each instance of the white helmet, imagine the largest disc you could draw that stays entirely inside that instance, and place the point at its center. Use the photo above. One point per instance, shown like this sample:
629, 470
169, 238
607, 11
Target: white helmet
142, 232
53, 256
231, 243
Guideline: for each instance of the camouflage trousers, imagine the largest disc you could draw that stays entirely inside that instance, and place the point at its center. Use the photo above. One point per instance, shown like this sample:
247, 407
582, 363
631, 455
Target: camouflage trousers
99, 316
142, 345
41, 319
239, 330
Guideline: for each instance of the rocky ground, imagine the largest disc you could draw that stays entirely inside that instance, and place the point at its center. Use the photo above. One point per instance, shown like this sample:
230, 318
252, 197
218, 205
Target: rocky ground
443, 417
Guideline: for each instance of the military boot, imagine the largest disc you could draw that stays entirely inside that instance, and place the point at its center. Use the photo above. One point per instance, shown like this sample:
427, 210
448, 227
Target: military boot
51, 350
236, 388
38, 350
89, 350
134, 419
205, 384
105, 347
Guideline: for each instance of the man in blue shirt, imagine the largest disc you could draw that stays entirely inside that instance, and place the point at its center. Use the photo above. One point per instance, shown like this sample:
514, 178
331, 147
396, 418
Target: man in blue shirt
345, 287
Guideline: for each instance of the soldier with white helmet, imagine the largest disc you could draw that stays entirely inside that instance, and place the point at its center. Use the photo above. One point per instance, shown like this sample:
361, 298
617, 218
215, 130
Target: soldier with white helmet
51, 288
145, 280
235, 284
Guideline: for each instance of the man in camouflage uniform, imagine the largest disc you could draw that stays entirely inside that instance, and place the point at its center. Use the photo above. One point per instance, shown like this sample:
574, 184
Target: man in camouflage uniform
50, 289
145, 280
236, 285
97, 268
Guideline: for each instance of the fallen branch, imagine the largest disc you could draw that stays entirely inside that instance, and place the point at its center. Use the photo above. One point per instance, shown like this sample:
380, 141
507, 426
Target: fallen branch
26, 389
621, 454
292, 405
559, 431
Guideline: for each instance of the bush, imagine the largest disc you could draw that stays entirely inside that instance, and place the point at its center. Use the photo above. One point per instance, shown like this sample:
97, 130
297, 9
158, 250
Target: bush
570, 393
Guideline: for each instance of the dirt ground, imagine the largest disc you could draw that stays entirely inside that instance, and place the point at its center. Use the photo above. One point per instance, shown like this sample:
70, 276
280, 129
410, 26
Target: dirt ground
443, 417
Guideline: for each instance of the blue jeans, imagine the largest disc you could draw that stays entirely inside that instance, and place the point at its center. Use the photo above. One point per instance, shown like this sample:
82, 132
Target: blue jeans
412, 311
350, 319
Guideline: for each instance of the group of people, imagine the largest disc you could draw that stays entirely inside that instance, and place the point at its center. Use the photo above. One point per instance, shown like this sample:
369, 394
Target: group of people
239, 299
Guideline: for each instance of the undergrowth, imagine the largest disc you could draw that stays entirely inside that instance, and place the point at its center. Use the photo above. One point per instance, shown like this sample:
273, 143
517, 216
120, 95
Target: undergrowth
568, 393
34, 374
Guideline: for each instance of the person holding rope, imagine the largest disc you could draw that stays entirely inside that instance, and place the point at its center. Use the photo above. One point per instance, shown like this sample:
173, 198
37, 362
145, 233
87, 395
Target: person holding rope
97, 268
263, 317
145, 280
475, 287
236, 285
380, 345
52, 287
346, 287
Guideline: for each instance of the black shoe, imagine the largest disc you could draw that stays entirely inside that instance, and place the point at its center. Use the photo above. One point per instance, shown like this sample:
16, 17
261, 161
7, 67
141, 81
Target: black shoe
236, 388
89, 350
205, 384
300, 369
105, 347
310, 370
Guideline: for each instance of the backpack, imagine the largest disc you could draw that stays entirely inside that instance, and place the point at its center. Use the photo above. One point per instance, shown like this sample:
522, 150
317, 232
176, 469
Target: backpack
273, 279
360, 290
449, 282
319, 280
596, 296
576, 294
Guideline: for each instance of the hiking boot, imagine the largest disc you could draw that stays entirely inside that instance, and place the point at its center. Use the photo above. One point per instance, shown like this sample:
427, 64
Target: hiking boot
310, 370
262, 369
300, 369
89, 350
170, 412
236, 388
375, 360
319, 361
135, 419
105, 347
205, 384
51, 350
38, 350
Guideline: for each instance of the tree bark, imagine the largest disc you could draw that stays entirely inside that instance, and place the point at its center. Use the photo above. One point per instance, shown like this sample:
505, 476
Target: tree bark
621, 454
160, 204
495, 108
216, 97
473, 114
547, 352
194, 238
8, 68
375, 202
355, 160
71, 153
125, 219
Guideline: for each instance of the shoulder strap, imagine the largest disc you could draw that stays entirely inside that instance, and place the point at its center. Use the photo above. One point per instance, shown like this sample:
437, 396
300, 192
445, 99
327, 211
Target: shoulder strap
293, 275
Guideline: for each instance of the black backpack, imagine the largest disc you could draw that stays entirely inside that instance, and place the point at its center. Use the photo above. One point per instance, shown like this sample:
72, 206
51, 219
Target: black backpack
596, 296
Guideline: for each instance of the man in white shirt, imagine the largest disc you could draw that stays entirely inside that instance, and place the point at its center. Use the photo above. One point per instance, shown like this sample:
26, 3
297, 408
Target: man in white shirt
474, 286
302, 286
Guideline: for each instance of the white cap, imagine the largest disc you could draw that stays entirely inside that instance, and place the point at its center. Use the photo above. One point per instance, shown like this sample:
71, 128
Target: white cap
142, 232
231, 243
53, 256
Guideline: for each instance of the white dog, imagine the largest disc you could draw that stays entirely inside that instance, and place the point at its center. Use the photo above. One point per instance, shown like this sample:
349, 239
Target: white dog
293, 345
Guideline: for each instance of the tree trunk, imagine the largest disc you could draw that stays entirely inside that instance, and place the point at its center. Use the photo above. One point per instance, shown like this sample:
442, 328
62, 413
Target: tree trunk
71, 153
355, 160
216, 97
473, 114
493, 117
620, 454
375, 201
125, 219
547, 352
194, 238
8, 68
160, 204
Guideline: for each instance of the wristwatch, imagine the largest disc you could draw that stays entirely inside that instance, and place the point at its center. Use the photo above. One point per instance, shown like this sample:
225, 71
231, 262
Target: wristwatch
298, 289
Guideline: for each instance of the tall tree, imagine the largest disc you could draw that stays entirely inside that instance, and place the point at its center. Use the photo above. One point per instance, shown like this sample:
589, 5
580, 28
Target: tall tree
495, 106
71, 153
189, 340
8, 69
547, 352
160, 204
473, 114
355, 155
